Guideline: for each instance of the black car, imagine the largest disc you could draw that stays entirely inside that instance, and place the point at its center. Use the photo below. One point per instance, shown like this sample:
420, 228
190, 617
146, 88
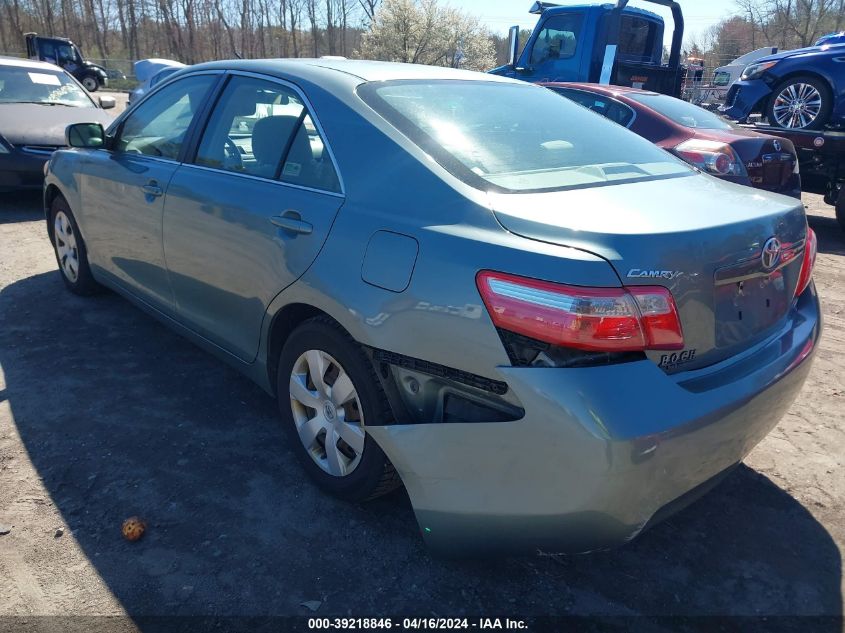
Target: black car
37, 102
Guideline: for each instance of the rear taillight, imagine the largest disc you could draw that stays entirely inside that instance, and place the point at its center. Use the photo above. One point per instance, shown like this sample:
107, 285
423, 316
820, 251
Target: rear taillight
808, 262
714, 157
599, 319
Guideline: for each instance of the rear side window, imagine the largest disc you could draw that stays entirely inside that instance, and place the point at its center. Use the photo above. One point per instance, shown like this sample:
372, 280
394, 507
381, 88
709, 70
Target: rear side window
681, 112
636, 38
262, 128
605, 106
516, 137
558, 39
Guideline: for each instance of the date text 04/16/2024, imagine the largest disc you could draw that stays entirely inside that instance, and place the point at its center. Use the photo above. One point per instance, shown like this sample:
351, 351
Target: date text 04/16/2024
417, 624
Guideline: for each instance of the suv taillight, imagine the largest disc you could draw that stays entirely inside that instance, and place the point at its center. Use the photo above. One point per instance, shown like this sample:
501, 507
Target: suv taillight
807, 262
601, 319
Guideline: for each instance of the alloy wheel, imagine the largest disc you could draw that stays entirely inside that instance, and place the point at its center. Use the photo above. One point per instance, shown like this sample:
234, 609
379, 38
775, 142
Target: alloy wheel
66, 247
327, 412
797, 106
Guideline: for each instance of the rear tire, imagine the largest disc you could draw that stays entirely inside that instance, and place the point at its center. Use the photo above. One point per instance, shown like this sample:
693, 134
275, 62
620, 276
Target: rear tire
69, 247
319, 415
90, 83
812, 100
840, 208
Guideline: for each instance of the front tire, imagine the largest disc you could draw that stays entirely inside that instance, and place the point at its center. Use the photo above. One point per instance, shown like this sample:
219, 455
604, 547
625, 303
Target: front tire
328, 393
90, 83
71, 254
800, 103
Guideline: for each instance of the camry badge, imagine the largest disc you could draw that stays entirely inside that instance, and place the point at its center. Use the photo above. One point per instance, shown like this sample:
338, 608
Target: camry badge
639, 273
771, 253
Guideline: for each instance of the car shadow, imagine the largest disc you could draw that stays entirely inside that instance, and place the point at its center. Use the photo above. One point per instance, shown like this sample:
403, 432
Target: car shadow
20, 206
831, 235
121, 417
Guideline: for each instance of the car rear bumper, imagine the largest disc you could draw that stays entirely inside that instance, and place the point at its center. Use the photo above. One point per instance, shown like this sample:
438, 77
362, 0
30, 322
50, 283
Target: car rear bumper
743, 99
22, 170
601, 453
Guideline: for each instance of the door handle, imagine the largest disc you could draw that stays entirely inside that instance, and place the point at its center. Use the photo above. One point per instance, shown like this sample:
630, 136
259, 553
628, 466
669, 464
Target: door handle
291, 221
152, 189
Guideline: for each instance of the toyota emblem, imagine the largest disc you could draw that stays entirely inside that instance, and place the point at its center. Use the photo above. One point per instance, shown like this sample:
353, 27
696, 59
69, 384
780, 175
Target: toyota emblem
771, 253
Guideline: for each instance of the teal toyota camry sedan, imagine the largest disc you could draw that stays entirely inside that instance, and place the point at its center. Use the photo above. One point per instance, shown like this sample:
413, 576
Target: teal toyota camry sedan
550, 331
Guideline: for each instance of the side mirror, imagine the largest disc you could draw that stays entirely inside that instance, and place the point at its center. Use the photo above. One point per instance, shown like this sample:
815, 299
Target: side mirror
85, 135
106, 103
513, 46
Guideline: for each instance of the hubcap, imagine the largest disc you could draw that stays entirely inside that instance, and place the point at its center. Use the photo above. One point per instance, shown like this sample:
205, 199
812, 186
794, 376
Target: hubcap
90, 84
327, 412
66, 248
797, 106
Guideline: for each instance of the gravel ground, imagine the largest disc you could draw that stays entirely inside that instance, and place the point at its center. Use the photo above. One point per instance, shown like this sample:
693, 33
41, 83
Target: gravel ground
105, 414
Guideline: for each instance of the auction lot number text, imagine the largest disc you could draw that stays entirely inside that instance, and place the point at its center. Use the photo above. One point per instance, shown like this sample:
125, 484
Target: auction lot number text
417, 624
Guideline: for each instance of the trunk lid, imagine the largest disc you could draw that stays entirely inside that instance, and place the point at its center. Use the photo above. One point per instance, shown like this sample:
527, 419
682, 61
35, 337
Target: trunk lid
698, 236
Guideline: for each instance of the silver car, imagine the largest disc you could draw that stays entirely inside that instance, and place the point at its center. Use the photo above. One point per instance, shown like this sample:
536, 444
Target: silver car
552, 332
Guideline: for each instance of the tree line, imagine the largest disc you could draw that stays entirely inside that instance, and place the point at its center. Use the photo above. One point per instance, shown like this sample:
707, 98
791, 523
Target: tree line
786, 24
192, 31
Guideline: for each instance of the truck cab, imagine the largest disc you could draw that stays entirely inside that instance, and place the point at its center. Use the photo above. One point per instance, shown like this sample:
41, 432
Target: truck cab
599, 43
64, 53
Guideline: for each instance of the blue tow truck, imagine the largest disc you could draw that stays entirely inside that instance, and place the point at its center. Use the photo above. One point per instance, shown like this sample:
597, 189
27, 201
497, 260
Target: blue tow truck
599, 43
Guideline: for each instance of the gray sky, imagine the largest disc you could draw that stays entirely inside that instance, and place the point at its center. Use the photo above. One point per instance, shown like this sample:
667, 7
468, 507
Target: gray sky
500, 14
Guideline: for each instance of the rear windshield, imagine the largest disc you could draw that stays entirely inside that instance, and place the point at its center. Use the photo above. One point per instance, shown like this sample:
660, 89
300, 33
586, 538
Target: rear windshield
681, 112
516, 137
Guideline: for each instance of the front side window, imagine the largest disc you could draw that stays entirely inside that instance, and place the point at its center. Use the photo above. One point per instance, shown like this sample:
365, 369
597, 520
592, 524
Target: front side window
39, 85
262, 128
159, 124
605, 106
557, 40
681, 112
515, 137
65, 54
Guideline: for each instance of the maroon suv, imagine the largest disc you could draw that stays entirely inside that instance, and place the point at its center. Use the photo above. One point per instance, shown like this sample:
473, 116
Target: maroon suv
700, 137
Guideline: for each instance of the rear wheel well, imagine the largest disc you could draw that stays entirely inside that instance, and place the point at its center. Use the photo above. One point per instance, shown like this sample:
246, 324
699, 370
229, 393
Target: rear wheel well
286, 321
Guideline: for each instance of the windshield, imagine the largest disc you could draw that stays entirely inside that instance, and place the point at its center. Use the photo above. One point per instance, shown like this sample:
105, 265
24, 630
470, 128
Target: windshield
40, 85
681, 112
516, 137
722, 78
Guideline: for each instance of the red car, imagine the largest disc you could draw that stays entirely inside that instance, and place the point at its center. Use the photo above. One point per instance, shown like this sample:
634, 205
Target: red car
696, 135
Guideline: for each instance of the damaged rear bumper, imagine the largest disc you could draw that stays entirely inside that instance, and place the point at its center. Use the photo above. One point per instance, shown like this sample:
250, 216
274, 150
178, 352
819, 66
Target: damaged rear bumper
601, 452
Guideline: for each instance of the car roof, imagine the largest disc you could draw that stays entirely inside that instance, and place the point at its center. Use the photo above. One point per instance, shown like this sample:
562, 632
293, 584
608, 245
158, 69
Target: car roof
28, 63
360, 70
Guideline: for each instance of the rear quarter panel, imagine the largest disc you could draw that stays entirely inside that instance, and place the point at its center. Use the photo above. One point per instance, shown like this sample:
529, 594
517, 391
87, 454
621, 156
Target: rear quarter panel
398, 188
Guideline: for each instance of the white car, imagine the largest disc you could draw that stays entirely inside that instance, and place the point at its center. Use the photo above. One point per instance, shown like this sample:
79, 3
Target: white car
725, 76
149, 72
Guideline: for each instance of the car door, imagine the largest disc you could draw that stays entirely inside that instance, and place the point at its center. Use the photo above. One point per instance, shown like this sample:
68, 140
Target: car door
124, 187
248, 213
